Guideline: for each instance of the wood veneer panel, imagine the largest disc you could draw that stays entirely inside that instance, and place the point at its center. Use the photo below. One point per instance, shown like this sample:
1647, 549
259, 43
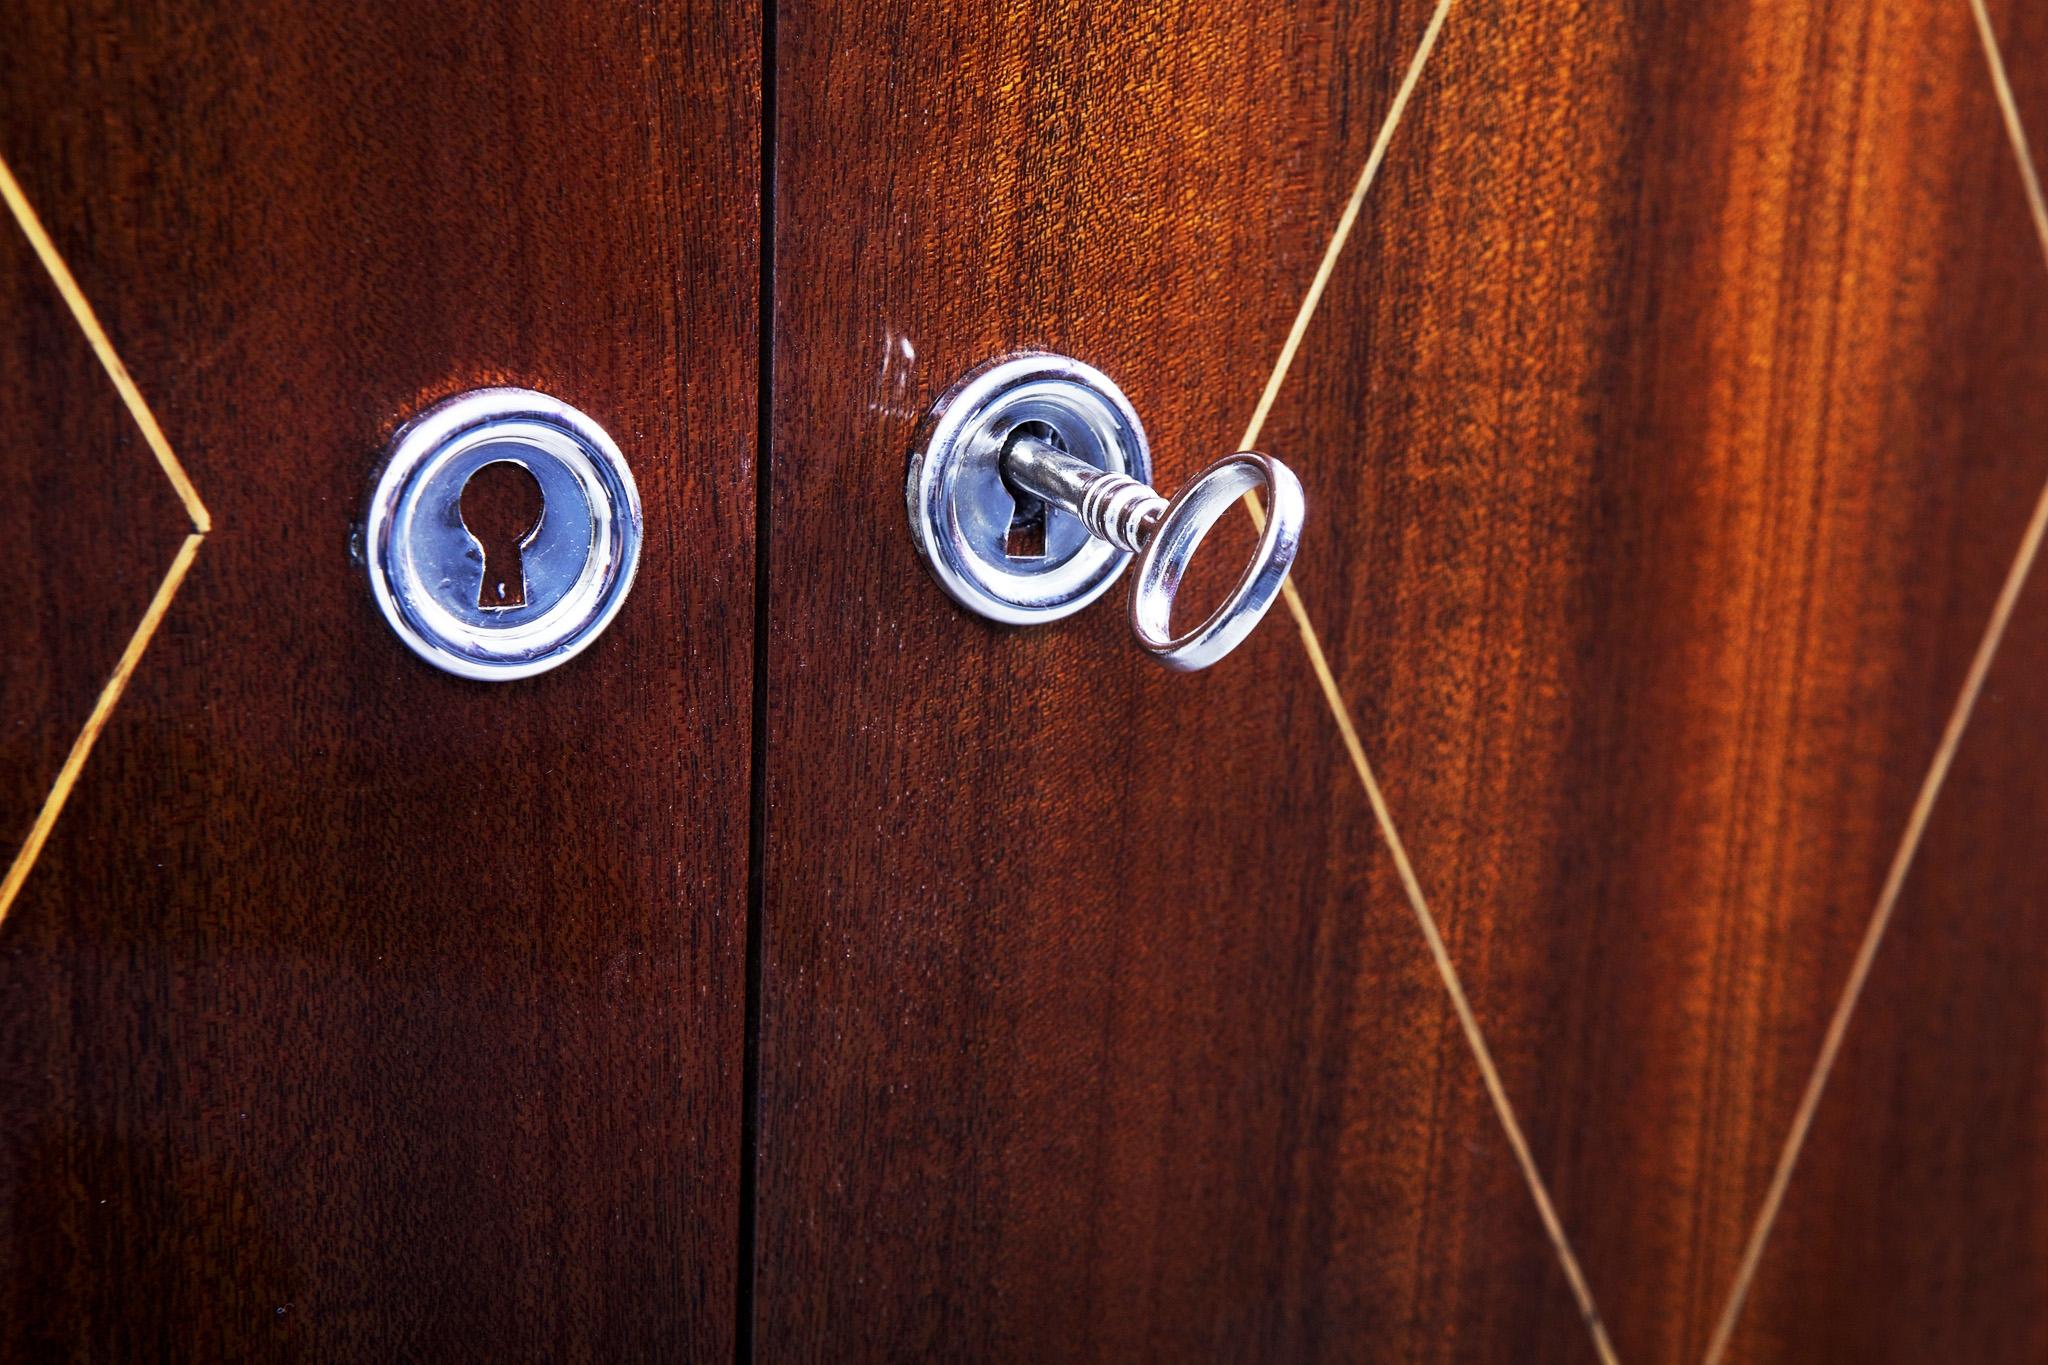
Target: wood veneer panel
1093, 1024
355, 1011
1677, 412
1916, 1226
91, 524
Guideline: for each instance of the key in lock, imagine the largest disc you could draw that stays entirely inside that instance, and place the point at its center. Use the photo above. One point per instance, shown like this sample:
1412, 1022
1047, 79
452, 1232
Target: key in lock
1030, 489
492, 595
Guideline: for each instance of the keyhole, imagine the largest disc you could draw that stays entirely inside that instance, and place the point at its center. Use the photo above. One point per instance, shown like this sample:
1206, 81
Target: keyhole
1026, 537
501, 506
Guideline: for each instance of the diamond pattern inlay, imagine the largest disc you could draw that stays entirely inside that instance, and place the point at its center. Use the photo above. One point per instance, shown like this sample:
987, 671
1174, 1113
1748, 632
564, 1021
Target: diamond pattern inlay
1656, 531
71, 537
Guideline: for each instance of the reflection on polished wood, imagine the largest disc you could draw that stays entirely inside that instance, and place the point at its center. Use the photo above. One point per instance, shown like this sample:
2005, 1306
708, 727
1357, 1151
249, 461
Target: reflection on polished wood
1093, 1021
1694, 455
1670, 415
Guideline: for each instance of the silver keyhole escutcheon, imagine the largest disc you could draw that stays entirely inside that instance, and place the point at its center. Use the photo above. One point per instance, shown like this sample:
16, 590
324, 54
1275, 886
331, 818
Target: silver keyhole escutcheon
570, 570
1048, 445
962, 507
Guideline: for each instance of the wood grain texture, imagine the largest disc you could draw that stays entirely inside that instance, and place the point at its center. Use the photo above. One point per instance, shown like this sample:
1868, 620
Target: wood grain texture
353, 1011
1093, 1024
1917, 1227
84, 503
1672, 422
1668, 426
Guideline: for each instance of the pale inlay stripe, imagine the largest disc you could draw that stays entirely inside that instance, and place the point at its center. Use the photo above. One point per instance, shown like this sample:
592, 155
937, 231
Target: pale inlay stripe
89, 323
81, 748
1930, 785
153, 615
1341, 712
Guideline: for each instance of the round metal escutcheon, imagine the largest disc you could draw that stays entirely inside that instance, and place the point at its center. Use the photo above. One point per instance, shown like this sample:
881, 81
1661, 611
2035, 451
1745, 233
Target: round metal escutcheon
961, 507
578, 559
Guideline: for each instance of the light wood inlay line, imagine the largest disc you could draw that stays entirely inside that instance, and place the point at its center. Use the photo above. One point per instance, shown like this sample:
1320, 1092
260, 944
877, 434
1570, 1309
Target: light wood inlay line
1339, 710
153, 615
1930, 785
1345, 223
81, 748
1453, 986
89, 323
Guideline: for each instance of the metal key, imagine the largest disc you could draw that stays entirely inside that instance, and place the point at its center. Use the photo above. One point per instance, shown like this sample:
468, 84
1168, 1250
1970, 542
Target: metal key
1164, 535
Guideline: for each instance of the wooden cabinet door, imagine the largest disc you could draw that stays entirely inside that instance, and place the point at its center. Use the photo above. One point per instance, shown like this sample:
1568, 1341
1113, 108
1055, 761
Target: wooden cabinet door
1598, 917
1668, 386
354, 1011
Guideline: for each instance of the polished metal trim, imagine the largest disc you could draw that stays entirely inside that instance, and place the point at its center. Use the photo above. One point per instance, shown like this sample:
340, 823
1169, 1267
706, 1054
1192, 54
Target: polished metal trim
586, 545
961, 504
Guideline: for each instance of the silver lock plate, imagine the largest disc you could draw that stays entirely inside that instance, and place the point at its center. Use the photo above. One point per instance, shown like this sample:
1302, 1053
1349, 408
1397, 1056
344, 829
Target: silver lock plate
961, 509
578, 559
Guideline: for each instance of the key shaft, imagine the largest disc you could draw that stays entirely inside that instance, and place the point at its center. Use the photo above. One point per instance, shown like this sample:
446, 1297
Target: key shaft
1114, 507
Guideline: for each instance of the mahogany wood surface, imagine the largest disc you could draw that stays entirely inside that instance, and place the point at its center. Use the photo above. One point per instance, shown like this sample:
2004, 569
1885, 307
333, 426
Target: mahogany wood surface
354, 1011
1668, 427
82, 581
1918, 1226
1092, 1022
1674, 420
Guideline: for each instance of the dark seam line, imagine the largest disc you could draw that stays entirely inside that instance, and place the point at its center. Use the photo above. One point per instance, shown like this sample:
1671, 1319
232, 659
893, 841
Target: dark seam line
757, 778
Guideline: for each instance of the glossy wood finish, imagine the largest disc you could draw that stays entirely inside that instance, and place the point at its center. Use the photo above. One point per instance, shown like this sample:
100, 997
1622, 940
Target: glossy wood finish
1668, 426
1092, 1022
1918, 1227
82, 581
1673, 421
353, 1011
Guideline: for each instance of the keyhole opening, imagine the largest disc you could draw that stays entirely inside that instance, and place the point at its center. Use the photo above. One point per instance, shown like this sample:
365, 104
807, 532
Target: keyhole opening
501, 507
1026, 537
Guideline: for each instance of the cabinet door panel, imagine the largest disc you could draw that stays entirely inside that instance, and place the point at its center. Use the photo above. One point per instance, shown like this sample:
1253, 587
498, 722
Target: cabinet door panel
353, 1010
1669, 427
1092, 1019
